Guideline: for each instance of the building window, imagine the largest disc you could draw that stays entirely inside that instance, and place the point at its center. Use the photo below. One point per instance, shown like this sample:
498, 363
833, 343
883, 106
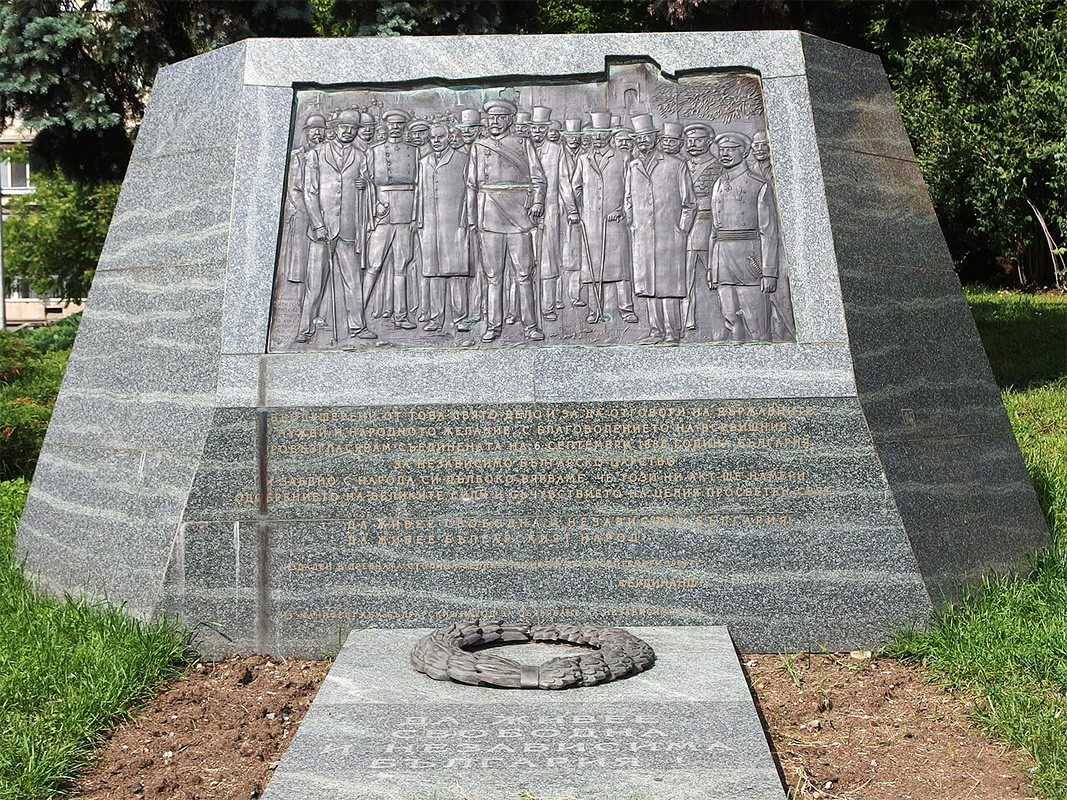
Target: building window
19, 176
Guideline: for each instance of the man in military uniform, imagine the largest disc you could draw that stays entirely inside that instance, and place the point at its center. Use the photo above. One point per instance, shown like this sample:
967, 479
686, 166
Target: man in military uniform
560, 210
623, 142
505, 195
705, 169
338, 193
394, 167
443, 230
600, 187
744, 243
660, 207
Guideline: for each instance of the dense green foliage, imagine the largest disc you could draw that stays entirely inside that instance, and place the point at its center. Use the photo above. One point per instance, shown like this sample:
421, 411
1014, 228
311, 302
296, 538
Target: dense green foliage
1007, 642
31, 369
68, 671
54, 236
985, 105
982, 86
80, 76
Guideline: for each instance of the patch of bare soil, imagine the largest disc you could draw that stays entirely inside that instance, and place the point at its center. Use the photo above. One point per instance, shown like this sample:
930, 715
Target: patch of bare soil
215, 733
874, 729
842, 727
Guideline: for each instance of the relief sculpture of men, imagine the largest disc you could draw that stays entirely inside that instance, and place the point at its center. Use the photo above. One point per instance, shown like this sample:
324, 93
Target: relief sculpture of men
394, 166
560, 209
660, 208
744, 243
505, 196
339, 195
600, 185
494, 215
443, 231
705, 169
296, 241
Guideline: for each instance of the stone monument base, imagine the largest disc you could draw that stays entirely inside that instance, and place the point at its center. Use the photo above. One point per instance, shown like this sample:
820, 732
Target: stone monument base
685, 729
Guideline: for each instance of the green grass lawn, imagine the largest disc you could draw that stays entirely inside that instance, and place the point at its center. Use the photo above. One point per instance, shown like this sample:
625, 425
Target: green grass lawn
1007, 642
69, 671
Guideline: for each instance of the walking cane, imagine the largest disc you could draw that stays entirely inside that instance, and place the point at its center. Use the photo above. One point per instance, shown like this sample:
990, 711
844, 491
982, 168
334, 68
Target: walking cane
601, 315
331, 246
589, 257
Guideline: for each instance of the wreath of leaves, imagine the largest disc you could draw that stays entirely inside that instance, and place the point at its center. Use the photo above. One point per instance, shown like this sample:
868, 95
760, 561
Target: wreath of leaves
444, 655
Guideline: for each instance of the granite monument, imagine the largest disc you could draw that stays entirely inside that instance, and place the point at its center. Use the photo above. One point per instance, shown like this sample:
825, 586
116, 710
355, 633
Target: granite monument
653, 330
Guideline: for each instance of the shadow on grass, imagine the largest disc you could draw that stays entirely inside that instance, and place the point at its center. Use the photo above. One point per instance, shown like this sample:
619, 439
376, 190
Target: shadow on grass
1024, 335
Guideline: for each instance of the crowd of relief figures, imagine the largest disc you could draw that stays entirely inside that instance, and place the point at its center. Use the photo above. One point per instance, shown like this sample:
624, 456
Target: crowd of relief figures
635, 209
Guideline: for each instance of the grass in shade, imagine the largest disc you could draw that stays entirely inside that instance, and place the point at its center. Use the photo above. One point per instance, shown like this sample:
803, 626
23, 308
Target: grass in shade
68, 671
1007, 641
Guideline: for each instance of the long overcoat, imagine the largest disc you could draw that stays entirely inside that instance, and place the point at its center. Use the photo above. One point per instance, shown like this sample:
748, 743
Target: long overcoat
660, 207
442, 219
600, 185
295, 239
559, 204
571, 237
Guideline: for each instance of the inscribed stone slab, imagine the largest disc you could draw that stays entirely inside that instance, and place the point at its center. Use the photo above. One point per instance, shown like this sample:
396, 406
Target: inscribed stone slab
685, 729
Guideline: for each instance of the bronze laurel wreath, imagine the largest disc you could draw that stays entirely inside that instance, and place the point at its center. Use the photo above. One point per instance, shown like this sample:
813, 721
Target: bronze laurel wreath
443, 655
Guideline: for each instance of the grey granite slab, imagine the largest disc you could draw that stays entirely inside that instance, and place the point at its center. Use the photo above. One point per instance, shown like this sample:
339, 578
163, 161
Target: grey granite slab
283, 62
919, 364
968, 506
740, 512
881, 212
809, 266
852, 100
101, 522
387, 376
687, 728
173, 210
143, 371
262, 156
193, 104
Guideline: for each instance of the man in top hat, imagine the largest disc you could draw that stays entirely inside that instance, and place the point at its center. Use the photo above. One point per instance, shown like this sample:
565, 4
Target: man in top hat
573, 240
469, 127
443, 230
660, 207
367, 124
418, 132
560, 209
600, 186
522, 123
339, 197
744, 243
394, 168
671, 140
295, 239
705, 169
505, 196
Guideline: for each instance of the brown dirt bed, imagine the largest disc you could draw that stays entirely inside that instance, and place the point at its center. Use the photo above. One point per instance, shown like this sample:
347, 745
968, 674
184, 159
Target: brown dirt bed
841, 727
